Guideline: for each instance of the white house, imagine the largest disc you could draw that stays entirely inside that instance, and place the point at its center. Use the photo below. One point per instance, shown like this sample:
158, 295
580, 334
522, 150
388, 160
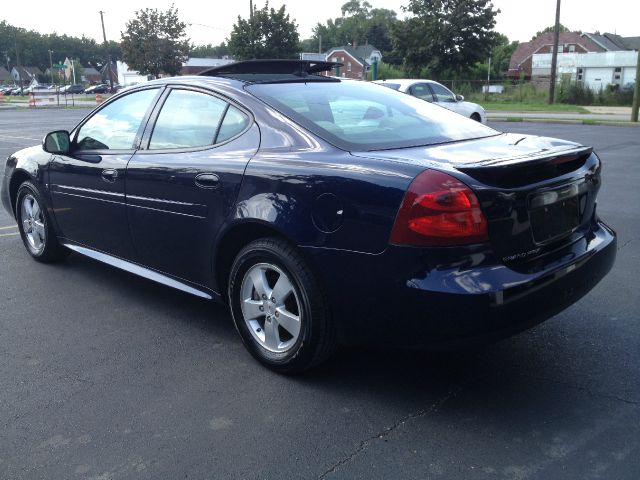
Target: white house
596, 70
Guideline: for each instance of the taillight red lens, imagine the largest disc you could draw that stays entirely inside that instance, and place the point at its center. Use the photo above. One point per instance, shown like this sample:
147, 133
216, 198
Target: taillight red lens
439, 209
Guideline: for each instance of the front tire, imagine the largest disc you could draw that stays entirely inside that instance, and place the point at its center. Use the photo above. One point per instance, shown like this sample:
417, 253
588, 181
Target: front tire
34, 224
278, 307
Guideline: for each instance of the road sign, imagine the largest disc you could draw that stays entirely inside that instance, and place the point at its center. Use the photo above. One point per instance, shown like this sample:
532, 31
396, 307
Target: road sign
58, 65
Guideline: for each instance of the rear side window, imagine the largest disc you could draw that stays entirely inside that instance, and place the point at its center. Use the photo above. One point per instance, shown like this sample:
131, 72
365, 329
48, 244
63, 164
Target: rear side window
234, 123
188, 119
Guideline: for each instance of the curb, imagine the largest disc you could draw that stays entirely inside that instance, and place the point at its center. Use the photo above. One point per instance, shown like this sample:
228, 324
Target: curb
569, 121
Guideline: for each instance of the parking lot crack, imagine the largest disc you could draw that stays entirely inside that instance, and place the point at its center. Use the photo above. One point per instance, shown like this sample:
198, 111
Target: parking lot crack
625, 244
433, 408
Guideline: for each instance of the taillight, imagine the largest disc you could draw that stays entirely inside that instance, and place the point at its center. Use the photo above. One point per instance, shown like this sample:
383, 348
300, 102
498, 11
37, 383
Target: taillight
439, 209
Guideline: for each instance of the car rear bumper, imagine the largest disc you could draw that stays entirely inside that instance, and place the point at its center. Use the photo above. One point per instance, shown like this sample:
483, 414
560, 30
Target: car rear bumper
441, 299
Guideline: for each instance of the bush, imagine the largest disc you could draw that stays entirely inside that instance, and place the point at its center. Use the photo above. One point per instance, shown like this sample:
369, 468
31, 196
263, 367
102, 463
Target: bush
577, 93
386, 71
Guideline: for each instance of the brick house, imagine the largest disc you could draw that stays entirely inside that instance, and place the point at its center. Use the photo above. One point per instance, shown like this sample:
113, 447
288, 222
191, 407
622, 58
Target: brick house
91, 75
356, 60
569, 42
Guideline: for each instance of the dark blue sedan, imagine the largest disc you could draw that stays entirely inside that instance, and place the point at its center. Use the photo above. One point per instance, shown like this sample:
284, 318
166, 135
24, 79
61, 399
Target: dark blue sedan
325, 212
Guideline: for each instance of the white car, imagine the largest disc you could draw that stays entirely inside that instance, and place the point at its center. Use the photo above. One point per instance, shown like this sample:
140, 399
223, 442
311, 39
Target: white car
436, 93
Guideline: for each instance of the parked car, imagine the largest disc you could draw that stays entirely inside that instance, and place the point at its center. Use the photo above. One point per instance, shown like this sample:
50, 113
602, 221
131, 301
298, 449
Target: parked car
18, 91
100, 88
323, 212
72, 89
434, 92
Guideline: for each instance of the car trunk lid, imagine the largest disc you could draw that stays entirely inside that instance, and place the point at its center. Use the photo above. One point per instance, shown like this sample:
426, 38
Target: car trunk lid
537, 193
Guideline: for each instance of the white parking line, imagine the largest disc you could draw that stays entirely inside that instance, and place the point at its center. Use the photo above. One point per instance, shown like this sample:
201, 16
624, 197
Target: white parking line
10, 226
9, 234
5, 137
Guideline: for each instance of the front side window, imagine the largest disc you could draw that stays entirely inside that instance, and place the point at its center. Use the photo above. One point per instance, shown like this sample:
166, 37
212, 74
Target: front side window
188, 119
364, 116
115, 126
442, 94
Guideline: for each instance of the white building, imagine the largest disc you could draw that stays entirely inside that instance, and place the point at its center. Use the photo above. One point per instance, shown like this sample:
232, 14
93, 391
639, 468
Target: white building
127, 77
595, 70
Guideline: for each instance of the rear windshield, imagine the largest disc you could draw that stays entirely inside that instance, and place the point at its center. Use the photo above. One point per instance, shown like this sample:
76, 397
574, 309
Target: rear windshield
365, 116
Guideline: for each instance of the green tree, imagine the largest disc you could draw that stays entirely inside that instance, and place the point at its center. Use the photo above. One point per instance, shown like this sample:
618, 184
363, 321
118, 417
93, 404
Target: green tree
34, 47
269, 33
501, 56
155, 41
359, 24
209, 51
445, 35
552, 28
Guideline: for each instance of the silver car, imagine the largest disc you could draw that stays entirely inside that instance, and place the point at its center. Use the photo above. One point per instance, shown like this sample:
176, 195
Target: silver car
434, 92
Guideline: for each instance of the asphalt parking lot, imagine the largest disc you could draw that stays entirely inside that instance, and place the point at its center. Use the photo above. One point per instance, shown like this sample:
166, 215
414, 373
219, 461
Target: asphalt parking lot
104, 375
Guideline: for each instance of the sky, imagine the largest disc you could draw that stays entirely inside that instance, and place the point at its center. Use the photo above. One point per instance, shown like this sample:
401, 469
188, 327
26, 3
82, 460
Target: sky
211, 22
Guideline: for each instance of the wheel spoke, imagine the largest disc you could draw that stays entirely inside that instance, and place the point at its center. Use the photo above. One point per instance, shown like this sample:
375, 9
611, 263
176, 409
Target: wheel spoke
289, 321
28, 207
25, 226
282, 289
39, 228
35, 210
260, 283
271, 335
251, 308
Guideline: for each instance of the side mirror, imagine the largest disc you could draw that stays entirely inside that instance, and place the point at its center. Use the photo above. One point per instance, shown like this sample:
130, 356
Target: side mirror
459, 98
57, 142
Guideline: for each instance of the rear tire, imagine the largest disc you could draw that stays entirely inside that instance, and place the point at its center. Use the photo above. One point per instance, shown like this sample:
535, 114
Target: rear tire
34, 224
288, 334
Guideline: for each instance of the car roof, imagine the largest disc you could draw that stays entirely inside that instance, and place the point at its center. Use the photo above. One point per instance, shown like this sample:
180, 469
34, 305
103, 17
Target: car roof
405, 81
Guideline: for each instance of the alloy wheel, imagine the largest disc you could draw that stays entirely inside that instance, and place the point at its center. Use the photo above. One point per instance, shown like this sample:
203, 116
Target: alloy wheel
270, 307
33, 224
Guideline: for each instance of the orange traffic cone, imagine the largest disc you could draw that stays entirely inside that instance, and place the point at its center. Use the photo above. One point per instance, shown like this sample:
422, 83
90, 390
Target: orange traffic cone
32, 101
98, 98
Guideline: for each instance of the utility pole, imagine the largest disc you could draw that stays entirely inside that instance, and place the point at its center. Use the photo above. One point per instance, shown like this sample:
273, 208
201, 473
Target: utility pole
636, 92
51, 65
554, 55
106, 46
15, 39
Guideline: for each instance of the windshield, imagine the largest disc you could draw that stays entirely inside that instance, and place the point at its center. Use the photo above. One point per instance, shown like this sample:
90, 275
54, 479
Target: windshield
365, 116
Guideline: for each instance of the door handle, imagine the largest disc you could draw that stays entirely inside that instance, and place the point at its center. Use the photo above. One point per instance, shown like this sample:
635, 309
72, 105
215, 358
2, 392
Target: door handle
207, 180
109, 175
